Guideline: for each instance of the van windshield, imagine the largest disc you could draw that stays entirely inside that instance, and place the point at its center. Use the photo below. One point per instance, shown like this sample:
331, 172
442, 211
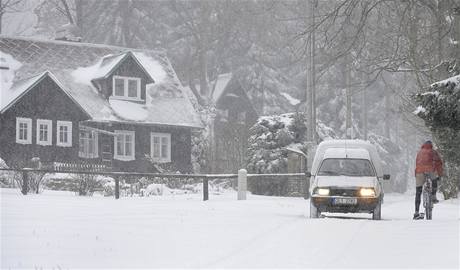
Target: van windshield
346, 166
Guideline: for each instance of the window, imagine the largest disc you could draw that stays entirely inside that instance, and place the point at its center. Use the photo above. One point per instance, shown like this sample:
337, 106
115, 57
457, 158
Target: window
124, 145
133, 89
242, 118
23, 130
44, 131
88, 144
64, 133
160, 147
119, 87
127, 87
223, 115
346, 166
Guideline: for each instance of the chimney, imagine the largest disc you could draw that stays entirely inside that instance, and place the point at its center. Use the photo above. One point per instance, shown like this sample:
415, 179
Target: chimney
68, 32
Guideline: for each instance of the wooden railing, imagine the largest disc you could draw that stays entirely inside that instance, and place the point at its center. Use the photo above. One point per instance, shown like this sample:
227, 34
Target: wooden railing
88, 167
242, 177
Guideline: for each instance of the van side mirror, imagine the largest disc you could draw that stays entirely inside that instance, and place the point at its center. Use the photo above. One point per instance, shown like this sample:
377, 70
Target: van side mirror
386, 177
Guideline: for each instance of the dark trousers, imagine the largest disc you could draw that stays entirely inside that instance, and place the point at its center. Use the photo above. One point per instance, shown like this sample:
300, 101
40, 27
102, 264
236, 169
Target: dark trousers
418, 193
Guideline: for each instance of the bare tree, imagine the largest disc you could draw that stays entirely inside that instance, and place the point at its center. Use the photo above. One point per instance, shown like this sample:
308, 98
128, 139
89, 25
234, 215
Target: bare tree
9, 6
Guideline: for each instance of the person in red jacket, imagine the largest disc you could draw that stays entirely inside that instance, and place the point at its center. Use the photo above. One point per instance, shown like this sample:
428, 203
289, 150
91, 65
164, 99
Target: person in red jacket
428, 161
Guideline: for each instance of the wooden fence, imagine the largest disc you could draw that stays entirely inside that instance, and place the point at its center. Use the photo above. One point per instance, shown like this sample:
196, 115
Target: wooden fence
117, 176
87, 167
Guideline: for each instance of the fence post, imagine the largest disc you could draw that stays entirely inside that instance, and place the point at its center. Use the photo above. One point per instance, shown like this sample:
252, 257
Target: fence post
25, 182
117, 187
205, 188
242, 184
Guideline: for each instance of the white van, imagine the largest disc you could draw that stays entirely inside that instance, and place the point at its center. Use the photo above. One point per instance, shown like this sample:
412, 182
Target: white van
346, 177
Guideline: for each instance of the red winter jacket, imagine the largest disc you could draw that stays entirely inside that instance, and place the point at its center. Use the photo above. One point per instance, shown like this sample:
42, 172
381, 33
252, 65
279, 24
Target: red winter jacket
428, 160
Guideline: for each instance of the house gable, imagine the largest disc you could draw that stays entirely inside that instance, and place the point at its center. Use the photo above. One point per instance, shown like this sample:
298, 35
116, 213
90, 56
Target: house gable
43, 101
235, 116
125, 68
235, 100
36, 82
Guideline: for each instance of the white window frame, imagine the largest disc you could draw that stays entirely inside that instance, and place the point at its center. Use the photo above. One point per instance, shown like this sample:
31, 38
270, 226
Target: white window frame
242, 117
67, 124
125, 87
95, 139
160, 159
28, 121
133, 148
49, 139
223, 114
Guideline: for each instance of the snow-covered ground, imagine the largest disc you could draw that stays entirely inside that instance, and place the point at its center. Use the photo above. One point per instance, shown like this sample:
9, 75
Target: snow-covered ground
61, 230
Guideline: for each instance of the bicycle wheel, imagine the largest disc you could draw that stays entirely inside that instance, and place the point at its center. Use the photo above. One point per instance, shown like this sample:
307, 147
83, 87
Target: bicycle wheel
428, 213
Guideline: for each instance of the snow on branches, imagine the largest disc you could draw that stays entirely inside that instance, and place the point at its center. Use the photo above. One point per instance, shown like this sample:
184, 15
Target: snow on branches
441, 105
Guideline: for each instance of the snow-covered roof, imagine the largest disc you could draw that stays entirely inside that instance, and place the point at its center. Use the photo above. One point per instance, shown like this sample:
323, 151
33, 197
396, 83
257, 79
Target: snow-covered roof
346, 153
17, 89
73, 65
292, 100
220, 85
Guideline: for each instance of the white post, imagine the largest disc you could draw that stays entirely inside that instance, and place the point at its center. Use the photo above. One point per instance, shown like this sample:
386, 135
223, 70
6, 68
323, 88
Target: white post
242, 184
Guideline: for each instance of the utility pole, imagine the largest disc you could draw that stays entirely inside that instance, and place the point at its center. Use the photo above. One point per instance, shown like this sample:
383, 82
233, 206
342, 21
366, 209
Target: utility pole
456, 30
313, 4
387, 114
364, 112
346, 70
308, 94
310, 109
349, 128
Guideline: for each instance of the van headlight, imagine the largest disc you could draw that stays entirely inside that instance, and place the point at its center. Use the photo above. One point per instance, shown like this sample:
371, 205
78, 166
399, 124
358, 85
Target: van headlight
367, 192
322, 191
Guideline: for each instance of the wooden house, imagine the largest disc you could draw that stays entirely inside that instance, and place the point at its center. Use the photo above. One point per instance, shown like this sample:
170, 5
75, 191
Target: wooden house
235, 115
87, 103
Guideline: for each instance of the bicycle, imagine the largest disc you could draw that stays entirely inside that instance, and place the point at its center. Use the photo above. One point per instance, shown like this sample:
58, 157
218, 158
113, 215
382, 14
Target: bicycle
428, 196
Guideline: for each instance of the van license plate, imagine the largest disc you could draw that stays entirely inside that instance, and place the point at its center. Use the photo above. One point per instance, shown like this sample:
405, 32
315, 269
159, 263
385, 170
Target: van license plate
345, 201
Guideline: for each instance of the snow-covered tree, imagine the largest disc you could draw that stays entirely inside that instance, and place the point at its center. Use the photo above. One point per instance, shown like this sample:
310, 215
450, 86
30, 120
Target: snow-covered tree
269, 140
440, 108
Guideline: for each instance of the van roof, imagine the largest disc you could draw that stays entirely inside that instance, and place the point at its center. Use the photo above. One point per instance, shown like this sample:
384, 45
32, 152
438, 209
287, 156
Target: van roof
356, 153
334, 145
345, 143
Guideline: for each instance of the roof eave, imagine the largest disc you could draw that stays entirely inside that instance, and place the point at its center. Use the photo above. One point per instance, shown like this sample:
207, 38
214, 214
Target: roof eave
126, 54
194, 126
37, 81
11, 103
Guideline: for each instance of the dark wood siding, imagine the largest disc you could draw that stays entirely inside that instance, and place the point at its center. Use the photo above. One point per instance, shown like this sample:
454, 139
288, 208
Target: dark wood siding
180, 147
231, 137
45, 101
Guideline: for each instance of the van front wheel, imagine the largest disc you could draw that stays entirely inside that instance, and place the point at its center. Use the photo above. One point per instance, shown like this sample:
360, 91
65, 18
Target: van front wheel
314, 212
377, 213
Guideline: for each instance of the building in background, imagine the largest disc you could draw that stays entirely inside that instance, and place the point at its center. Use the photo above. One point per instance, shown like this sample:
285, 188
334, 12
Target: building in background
235, 115
87, 103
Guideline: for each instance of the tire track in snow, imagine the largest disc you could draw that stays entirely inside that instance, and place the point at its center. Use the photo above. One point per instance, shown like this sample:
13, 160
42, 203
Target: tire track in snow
250, 243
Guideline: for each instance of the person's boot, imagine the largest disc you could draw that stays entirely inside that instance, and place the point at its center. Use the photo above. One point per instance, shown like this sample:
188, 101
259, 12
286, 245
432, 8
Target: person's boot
416, 215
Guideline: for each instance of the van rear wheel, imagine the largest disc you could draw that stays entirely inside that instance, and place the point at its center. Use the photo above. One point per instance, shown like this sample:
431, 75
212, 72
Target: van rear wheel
314, 212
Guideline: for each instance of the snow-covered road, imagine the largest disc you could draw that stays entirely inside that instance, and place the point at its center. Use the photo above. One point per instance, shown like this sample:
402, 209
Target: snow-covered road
58, 229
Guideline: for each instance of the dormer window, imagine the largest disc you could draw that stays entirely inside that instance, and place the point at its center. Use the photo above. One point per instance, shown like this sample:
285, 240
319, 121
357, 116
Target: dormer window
127, 87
